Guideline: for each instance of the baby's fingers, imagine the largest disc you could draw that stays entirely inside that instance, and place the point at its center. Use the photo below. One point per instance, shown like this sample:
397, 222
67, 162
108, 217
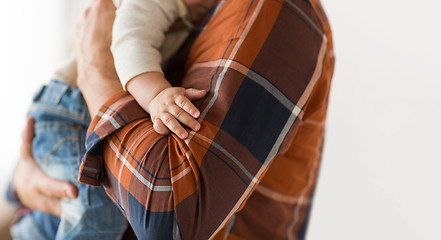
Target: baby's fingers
174, 126
160, 127
184, 118
188, 106
194, 94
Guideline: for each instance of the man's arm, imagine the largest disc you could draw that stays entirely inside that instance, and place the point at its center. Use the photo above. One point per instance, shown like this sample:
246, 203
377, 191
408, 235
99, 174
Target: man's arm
248, 59
97, 76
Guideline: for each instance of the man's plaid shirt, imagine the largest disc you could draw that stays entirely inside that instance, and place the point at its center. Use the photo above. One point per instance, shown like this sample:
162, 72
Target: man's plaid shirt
250, 172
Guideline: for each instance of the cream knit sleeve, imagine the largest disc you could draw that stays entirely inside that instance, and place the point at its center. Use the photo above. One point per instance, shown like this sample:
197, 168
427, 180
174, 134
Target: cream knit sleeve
138, 33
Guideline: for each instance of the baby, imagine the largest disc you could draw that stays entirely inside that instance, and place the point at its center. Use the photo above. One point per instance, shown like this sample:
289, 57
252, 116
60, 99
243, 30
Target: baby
141, 47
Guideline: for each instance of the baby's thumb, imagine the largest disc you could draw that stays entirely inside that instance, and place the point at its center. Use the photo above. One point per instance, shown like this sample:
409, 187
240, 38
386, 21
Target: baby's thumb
194, 94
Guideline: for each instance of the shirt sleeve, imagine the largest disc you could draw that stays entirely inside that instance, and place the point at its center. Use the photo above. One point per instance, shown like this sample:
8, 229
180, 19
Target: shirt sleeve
259, 61
138, 33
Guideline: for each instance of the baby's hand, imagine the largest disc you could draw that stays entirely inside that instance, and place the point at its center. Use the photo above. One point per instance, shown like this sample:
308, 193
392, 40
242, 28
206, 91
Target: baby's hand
173, 104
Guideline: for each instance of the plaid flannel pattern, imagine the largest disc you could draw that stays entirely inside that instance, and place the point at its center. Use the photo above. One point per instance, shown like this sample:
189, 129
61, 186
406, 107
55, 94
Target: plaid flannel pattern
266, 65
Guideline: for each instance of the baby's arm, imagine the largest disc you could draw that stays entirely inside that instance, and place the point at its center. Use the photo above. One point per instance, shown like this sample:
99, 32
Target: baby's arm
138, 33
166, 104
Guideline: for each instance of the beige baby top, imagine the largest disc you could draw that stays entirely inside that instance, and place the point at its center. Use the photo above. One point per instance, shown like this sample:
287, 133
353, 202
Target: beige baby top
140, 43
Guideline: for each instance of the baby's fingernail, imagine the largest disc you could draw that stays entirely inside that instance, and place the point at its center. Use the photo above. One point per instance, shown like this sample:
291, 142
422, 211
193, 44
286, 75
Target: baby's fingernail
183, 135
197, 127
196, 114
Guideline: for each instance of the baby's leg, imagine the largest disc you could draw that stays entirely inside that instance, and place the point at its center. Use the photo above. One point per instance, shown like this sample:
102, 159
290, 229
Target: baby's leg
61, 121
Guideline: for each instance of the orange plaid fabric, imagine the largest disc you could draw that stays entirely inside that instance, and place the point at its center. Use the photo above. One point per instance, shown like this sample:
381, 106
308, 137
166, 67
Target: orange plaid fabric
250, 172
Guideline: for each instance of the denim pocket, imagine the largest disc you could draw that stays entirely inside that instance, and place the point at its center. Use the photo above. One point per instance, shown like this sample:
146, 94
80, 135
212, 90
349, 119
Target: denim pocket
57, 147
60, 102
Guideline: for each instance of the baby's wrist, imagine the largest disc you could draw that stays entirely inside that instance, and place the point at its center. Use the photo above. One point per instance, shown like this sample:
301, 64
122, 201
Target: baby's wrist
146, 87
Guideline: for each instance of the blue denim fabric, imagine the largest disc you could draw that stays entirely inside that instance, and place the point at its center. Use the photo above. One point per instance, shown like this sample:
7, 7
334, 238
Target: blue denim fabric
61, 121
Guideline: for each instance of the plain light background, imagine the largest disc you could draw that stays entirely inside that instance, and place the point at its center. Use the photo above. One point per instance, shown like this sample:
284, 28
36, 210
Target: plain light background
380, 177
380, 171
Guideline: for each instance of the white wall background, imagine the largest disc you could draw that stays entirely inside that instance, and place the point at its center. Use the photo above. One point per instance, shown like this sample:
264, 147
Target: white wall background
380, 177
380, 174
